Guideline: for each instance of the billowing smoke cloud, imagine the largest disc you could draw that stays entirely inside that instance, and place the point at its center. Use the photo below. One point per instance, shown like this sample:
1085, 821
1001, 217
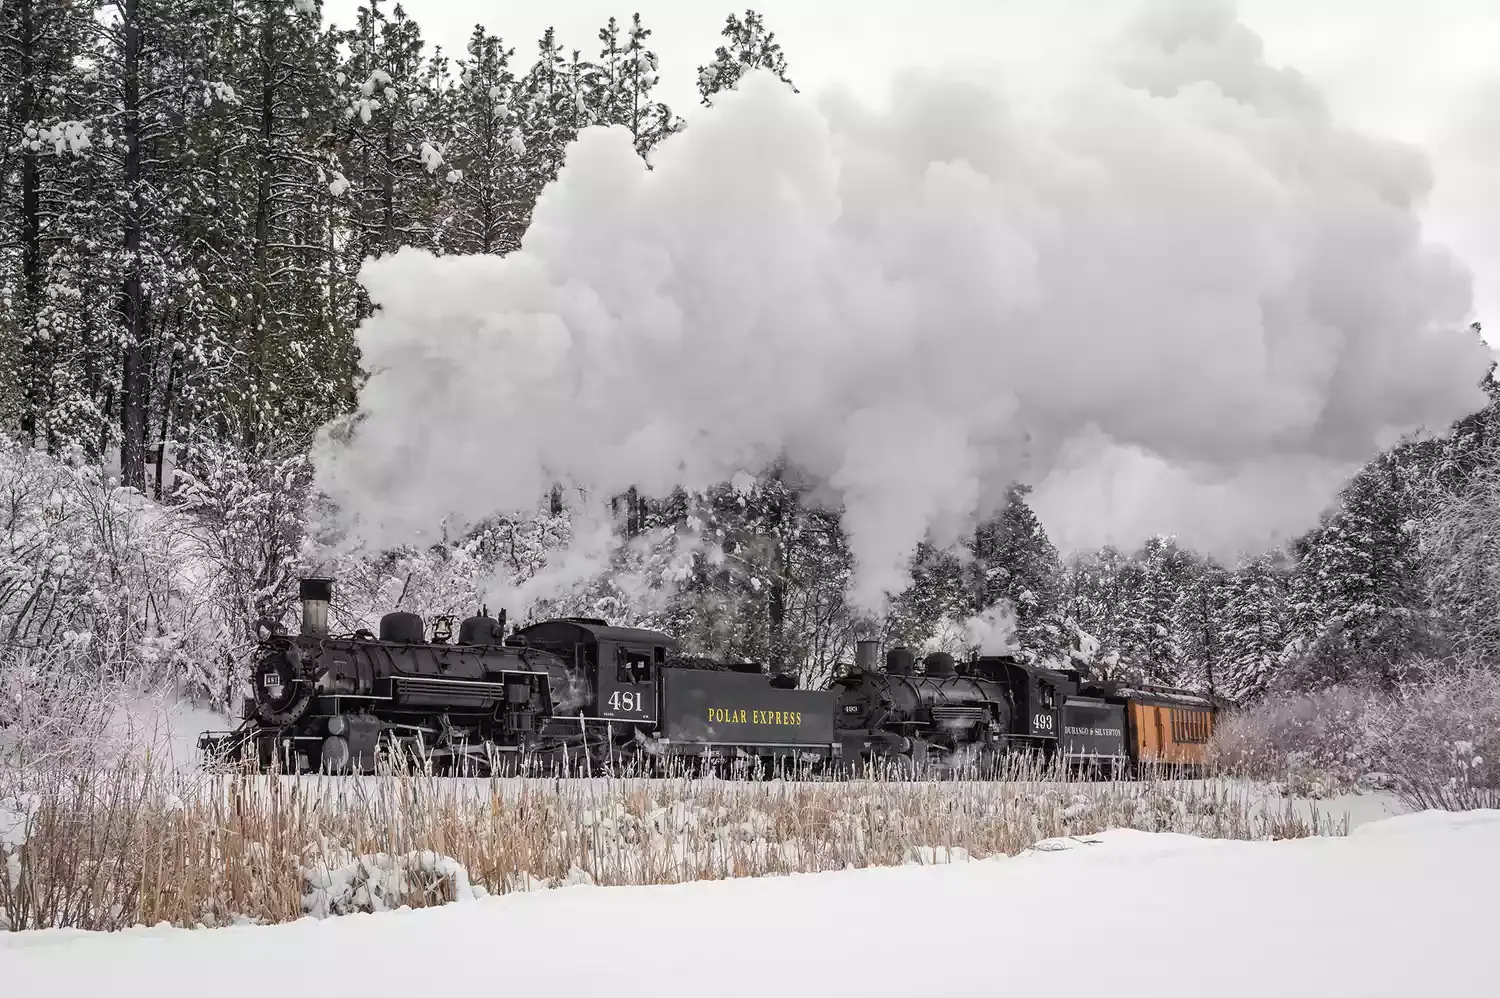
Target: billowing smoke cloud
993, 632
1174, 295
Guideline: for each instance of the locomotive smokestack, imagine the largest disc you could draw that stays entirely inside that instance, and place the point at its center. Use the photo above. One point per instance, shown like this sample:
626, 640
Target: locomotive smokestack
315, 595
866, 655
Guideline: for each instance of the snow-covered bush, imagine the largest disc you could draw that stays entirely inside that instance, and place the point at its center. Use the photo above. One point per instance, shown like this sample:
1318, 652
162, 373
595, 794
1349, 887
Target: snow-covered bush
80, 563
96, 596
1317, 743
50, 711
1434, 738
1439, 739
339, 883
106, 595
103, 590
245, 517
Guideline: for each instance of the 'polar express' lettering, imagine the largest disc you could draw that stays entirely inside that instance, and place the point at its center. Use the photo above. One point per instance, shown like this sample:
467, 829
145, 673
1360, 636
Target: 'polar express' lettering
722, 715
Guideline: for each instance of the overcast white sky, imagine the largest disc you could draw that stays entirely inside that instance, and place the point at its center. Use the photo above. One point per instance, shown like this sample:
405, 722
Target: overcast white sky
1425, 72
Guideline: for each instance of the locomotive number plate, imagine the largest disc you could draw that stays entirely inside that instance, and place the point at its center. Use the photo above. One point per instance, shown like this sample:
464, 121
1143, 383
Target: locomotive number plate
851, 708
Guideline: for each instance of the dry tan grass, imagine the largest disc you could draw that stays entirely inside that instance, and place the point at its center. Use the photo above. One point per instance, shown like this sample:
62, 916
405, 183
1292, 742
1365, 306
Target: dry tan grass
132, 845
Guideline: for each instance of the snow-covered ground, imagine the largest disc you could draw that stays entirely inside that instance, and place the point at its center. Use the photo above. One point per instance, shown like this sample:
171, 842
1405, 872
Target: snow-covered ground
1403, 906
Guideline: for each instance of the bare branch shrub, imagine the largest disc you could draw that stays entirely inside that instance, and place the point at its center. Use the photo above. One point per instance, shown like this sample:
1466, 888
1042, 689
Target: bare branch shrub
1434, 739
1440, 738
1460, 541
245, 518
1317, 743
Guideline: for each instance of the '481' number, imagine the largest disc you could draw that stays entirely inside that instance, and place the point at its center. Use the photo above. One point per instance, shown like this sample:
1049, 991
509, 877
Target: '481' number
630, 701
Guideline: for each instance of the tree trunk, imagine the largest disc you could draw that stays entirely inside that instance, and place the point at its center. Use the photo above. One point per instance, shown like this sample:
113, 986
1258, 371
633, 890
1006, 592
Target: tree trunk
173, 363
134, 379
256, 324
388, 189
37, 366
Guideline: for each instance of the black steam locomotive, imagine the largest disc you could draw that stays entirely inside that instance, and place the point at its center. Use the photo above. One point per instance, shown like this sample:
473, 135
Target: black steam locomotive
575, 695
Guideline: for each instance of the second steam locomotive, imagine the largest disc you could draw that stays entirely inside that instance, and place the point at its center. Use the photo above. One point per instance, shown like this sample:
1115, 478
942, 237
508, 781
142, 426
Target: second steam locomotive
575, 695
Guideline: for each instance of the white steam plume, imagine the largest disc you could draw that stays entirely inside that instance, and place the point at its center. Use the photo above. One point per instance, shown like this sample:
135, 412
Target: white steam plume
993, 632
1180, 263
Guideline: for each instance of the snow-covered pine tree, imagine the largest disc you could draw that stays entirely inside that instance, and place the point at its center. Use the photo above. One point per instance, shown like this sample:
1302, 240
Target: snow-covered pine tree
627, 74
40, 41
435, 110
1472, 438
605, 95
269, 358
393, 157
1152, 583
583, 87
548, 109
1014, 560
44, 152
1203, 627
1093, 600
748, 45
157, 96
1257, 627
489, 190
1359, 606
761, 521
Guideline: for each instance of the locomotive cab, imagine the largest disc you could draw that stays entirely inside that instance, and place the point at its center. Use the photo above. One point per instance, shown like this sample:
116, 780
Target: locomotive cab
612, 673
1038, 693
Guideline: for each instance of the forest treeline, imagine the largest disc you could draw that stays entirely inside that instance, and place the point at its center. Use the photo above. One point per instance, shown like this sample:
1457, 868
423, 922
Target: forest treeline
192, 185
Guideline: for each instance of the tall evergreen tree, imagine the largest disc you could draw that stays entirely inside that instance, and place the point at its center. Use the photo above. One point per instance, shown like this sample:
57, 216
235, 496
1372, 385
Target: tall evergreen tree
626, 77
1358, 602
548, 112
1203, 627
1014, 561
40, 41
1092, 600
1257, 628
748, 45
393, 156
1152, 584
490, 209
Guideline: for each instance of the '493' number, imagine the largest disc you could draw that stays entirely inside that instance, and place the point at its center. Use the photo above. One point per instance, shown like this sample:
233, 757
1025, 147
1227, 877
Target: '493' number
1042, 722
630, 701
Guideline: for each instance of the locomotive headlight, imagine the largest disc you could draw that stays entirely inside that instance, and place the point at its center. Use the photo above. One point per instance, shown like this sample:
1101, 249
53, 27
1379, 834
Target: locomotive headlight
338, 724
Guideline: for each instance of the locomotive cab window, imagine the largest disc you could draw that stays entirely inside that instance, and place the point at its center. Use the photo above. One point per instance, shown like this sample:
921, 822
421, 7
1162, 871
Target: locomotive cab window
633, 666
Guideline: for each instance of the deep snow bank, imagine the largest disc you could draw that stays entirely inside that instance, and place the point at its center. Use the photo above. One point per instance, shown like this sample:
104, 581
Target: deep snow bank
1401, 907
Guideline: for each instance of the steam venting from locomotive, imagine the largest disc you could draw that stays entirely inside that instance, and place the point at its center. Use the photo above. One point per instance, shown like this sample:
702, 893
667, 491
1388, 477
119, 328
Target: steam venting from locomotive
1173, 293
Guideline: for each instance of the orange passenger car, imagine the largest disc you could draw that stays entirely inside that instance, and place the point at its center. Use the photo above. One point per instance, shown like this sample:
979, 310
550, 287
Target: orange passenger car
1168, 727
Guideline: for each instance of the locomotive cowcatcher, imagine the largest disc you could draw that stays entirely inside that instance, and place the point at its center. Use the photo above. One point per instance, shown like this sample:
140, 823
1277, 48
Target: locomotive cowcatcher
574, 694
